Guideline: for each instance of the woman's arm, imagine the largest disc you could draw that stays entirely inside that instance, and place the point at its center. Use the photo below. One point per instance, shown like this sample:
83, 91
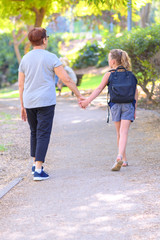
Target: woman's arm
97, 91
21, 78
62, 74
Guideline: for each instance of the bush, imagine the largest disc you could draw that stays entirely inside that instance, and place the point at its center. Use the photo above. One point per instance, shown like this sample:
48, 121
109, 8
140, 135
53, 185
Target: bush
141, 44
8, 60
53, 44
88, 55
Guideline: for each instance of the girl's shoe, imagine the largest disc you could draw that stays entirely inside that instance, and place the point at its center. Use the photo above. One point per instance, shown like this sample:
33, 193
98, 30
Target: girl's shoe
125, 164
118, 164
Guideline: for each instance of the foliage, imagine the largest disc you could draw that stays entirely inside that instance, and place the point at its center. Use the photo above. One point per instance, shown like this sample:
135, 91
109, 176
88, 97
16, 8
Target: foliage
53, 44
8, 61
141, 44
116, 9
88, 55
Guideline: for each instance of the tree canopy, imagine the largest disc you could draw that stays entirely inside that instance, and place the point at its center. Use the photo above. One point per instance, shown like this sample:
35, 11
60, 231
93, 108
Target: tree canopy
33, 12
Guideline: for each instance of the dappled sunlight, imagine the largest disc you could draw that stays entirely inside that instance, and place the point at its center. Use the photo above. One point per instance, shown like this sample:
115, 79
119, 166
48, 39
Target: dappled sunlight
110, 197
100, 219
76, 121
82, 210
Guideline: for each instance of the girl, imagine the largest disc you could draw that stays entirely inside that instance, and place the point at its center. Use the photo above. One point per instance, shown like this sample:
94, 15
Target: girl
122, 113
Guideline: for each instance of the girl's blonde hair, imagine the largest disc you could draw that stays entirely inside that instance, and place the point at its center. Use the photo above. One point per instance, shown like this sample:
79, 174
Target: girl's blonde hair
121, 58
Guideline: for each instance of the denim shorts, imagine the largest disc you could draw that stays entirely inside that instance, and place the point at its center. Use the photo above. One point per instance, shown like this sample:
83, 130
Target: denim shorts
122, 111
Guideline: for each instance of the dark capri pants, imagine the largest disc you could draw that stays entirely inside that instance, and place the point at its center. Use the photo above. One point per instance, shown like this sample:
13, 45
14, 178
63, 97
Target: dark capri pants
40, 121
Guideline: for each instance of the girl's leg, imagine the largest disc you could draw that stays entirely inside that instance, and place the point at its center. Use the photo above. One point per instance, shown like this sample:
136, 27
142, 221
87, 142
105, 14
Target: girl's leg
124, 128
118, 125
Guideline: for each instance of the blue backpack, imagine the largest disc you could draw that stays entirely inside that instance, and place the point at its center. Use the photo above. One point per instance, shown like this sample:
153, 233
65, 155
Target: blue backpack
122, 86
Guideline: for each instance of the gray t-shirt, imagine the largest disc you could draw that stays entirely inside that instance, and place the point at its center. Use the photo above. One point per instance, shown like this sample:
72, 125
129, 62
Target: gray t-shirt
39, 86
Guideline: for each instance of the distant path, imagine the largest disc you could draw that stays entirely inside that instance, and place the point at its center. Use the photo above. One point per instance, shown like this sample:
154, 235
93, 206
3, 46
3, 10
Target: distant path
83, 199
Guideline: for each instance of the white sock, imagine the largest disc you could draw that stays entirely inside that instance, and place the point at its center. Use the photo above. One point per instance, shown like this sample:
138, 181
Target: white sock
38, 170
34, 164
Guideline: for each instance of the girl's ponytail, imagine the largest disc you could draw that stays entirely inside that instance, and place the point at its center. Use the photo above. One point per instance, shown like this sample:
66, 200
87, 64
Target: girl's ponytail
125, 61
121, 58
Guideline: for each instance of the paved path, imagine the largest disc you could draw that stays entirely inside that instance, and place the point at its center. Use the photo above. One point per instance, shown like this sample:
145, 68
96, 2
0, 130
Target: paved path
83, 199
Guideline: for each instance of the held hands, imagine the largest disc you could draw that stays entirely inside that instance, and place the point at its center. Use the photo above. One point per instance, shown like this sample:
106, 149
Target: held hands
83, 102
23, 114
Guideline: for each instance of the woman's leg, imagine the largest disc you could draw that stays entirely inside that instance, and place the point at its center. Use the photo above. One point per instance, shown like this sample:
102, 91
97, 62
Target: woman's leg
32, 120
45, 119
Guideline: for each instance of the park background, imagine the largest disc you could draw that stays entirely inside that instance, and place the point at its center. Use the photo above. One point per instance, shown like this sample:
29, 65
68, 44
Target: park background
84, 32
83, 199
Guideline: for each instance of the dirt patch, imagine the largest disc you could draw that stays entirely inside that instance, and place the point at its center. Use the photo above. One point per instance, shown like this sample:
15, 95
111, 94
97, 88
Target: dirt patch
14, 137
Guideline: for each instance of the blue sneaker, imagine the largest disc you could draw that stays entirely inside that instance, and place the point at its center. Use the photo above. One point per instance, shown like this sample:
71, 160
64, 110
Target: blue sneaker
33, 169
40, 176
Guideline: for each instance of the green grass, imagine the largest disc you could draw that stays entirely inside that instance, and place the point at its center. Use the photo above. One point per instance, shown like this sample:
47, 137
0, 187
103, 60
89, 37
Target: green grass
5, 116
9, 93
3, 148
89, 81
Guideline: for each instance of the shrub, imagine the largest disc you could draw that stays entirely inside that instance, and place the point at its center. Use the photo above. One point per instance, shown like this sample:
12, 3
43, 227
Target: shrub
88, 55
53, 44
141, 44
8, 60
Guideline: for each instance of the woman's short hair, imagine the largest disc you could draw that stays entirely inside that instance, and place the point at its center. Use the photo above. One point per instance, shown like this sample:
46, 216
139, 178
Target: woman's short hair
36, 36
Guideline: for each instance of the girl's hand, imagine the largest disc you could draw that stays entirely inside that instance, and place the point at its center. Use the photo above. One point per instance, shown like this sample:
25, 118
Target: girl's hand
84, 103
135, 114
23, 114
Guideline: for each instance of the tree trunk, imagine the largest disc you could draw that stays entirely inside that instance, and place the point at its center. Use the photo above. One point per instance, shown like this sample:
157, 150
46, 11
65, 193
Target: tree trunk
40, 13
145, 11
16, 46
148, 93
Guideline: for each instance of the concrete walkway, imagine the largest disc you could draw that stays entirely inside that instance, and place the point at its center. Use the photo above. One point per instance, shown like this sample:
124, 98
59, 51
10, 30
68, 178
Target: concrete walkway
83, 199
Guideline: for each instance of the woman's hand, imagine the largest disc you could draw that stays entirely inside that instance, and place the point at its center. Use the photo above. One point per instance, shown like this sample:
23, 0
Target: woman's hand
81, 98
84, 103
23, 114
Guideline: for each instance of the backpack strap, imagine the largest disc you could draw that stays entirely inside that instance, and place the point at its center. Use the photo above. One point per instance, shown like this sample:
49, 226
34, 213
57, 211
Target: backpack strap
112, 70
121, 67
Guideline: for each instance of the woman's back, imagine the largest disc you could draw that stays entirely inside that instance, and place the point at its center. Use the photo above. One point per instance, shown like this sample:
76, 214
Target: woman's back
39, 87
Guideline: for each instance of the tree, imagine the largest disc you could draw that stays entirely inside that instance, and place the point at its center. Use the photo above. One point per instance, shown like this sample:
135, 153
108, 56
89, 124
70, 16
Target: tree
145, 11
35, 12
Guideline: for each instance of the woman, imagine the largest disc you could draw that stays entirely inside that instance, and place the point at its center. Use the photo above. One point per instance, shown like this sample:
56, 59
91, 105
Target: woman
38, 96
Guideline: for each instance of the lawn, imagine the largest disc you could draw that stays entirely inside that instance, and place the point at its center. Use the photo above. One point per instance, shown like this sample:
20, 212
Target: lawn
9, 93
88, 82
